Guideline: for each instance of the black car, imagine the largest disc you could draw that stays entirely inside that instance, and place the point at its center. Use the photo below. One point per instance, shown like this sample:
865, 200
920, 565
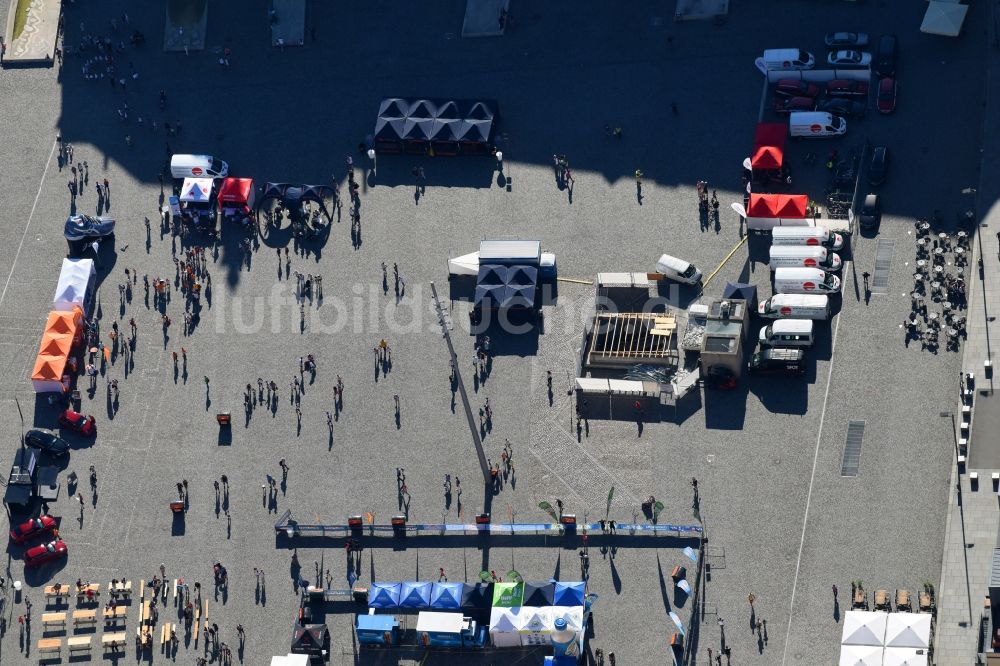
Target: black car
44, 439
778, 361
842, 107
880, 165
885, 56
871, 212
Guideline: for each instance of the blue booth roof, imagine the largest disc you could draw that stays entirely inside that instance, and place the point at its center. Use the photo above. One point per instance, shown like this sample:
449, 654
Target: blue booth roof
384, 595
446, 595
415, 594
569, 594
376, 623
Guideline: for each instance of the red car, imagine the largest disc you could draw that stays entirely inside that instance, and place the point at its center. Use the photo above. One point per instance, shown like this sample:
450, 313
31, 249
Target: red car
846, 88
794, 104
32, 528
47, 552
886, 102
85, 425
796, 88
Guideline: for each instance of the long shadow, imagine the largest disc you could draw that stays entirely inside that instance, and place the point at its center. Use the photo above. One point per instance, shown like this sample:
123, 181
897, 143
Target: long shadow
478, 540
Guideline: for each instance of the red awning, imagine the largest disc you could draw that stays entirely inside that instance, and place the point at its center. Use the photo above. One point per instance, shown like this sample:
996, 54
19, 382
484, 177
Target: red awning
235, 191
789, 206
769, 146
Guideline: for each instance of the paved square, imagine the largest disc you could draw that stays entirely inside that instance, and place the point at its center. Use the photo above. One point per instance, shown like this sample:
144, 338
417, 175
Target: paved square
781, 521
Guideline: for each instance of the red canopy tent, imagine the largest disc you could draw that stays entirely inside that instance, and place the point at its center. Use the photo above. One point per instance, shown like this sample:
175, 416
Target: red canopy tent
788, 206
236, 196
769, 146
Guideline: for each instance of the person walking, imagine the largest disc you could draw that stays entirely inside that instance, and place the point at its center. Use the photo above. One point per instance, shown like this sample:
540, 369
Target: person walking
284, 468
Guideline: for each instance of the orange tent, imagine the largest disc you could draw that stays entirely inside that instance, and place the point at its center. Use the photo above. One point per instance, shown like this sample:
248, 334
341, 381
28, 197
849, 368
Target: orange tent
62, 331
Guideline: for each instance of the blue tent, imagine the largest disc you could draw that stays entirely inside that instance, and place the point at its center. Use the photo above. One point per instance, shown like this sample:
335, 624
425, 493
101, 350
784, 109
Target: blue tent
446, 595
415, 595
568, 594
384, 595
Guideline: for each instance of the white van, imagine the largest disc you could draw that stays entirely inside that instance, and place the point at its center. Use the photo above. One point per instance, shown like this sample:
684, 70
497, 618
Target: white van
678, 269
806, 236
197, 166
815, 124
788, 59
805, 281
804, 255
787, 333
795, 306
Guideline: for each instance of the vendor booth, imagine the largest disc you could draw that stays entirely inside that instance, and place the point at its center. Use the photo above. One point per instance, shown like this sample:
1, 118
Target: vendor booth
767, 161
236, 198
505, 623
197, 202
944, 18
55, 365
384, 595
310, 639
446, 595
75, 289
435, 126
377, 629
414, 594
766, 211
449, 630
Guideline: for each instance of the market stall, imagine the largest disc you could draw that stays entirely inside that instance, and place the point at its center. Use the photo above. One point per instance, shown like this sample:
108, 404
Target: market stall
236, 198
435, 126
55, 365
77, 282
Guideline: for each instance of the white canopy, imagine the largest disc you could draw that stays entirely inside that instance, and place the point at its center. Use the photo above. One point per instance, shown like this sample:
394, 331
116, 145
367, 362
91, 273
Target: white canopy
537, 621
864, 628
572, 614
912, 630
291, 660
76, 281
198, 190
504, 626
467, 264
898, 656
944, 18
861, 655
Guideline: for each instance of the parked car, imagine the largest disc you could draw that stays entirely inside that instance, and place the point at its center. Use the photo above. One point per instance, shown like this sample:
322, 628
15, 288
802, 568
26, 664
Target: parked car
46, 440
796, 88
885, 56
846, 88
79, 227
85, 425
45, 553
842, 107
886, 101
794, 104
849, 58
839, 40
32, 528
880, 166
871, 212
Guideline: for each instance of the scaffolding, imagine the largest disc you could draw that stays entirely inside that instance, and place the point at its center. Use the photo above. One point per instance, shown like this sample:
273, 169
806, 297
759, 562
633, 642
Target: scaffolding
625, 339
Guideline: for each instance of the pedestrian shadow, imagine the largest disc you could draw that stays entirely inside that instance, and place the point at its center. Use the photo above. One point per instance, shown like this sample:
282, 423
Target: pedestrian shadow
836, 611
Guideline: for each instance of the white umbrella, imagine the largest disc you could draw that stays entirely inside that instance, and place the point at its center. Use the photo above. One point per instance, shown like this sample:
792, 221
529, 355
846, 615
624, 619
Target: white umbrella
911, 630
747, 164
864, 628
861, 655
677, 621
738, 207
898, 656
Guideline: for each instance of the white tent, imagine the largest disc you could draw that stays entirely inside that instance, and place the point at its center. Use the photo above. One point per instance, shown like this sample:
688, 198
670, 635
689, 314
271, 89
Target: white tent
536, 629
467, 264
864, 628
944, 18
898, 656
861, 655
291, 660
504, 626
912, 630
75, 286
572, 614
197, 190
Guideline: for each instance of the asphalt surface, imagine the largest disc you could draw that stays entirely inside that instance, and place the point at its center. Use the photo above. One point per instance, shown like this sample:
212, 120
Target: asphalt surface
781, 521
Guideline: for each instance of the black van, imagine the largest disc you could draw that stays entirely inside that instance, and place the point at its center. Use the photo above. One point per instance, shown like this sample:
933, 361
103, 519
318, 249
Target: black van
778, 361
885, 56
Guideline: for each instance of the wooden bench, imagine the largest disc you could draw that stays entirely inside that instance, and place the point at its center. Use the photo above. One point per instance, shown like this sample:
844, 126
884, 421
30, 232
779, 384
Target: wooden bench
124, 588
114, 614
197, 621
47, 645
81, 592
54, 619
144, 617
57, 591
78, 643
85, 616
165, 632
115, 642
